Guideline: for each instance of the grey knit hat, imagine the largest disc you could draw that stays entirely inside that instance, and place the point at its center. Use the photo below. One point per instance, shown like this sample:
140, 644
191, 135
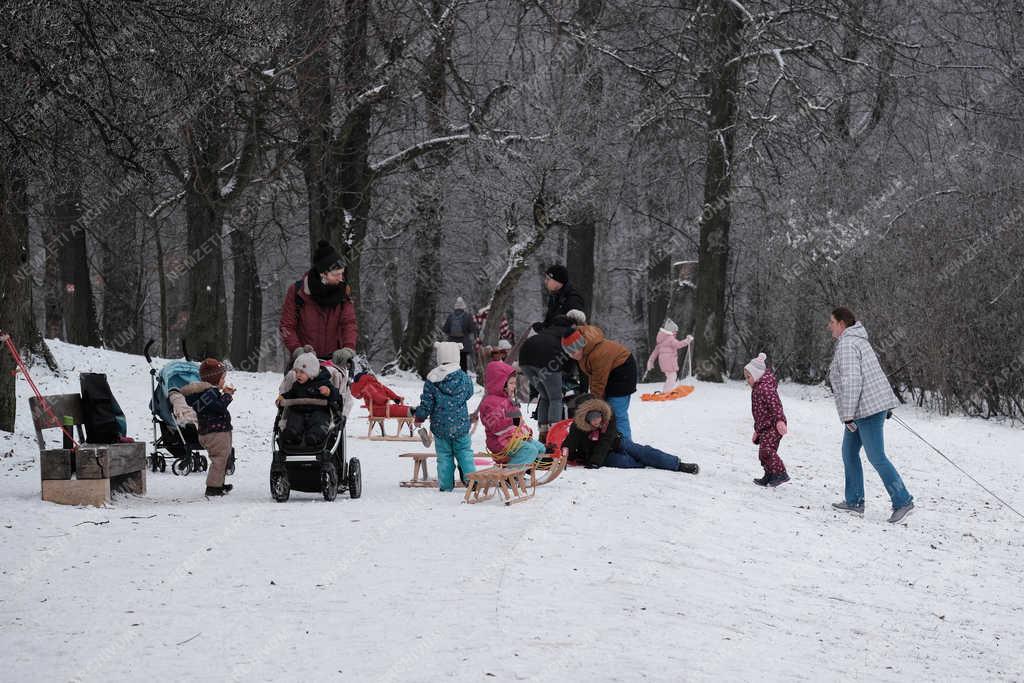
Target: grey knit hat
308, 363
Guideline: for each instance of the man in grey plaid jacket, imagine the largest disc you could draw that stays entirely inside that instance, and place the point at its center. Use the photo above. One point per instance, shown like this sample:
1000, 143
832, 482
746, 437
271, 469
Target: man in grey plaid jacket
864, 399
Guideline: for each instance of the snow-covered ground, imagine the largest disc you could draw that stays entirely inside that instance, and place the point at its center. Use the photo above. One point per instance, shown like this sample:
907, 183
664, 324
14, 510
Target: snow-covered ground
605, 575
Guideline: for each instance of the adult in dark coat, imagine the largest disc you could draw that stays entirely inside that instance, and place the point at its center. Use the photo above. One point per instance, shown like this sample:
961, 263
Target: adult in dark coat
562, 296
318, 314
461, 329
542, 361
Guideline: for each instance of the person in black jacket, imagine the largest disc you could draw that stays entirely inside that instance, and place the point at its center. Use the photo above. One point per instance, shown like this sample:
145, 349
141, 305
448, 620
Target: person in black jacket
307, 380
595, 441
210, 398
542, 361
562, 296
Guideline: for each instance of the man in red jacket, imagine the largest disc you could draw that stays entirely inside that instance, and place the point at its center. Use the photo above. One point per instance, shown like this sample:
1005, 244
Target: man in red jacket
318, 312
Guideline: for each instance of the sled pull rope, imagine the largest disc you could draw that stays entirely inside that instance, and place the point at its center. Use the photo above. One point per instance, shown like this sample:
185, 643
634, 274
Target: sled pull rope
9, 343
962, 471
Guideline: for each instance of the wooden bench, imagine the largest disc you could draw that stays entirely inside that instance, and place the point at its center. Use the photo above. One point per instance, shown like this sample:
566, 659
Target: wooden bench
515, 484
420, 474
100, 468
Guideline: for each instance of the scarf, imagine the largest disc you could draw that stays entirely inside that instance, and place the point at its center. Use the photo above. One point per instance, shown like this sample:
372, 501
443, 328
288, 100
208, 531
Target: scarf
323, 295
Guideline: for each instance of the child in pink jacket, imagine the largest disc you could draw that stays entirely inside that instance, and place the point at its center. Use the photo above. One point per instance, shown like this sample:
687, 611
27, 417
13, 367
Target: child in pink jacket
769, 421
502, 419
666, 352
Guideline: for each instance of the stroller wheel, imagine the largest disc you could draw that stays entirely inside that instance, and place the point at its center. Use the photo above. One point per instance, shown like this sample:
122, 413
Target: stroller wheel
231, 463
329, 482
182, 466
154, 462
199, 463
355, 479
163, 464
280, 488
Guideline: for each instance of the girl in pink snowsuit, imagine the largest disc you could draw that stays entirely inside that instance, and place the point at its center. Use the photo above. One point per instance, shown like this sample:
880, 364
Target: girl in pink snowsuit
769, 421
666, 352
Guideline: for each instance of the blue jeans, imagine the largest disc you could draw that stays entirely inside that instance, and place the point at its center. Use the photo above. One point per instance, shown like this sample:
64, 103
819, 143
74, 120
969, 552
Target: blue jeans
869, 435
448, 451
527, 452
548, 384
633, 455
620, 408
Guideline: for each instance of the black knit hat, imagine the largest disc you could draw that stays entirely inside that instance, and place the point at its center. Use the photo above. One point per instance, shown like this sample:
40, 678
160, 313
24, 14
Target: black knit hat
326, 258
559, 273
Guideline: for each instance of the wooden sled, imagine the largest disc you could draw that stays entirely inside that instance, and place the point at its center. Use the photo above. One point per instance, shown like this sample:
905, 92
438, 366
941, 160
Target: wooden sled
513, 483
421, 474
540, 473
401, 423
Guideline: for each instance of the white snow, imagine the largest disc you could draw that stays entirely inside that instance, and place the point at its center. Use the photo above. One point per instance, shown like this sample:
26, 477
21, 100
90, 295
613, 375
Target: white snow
605, 575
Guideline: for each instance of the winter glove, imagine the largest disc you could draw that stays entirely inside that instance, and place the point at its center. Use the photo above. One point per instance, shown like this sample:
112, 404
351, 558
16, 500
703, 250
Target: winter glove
398, 400
851, 425
755, 439
342, 356
325, 391
781, 428
888, 414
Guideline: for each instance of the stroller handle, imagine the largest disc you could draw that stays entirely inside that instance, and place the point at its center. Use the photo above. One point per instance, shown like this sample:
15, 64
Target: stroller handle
289, 402
145, 351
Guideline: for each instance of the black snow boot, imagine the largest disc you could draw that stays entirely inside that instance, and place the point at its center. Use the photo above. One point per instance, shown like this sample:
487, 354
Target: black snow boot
763, 481
776, 479
214, 491
688, 467
226, 488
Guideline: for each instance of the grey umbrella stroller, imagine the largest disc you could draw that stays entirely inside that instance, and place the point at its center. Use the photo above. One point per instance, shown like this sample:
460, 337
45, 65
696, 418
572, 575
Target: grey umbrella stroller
174, 425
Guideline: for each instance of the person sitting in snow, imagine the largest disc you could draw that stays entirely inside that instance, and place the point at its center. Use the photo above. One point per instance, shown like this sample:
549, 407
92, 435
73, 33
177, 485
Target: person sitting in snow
609, 367
666, 353
307, 379
445, 394
508, 437
769, 421
210, 398
381, 400
595, 440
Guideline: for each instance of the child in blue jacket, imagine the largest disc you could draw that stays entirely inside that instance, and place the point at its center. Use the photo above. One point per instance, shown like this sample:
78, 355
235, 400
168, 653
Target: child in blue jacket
445, 394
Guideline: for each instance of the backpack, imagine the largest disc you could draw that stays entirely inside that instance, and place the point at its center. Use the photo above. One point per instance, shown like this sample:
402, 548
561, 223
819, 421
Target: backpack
458, 325
102, 417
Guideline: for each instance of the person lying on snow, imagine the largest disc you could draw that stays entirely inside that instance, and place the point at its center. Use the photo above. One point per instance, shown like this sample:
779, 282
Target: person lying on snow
383, 402
209, 398
595, 441
307, 379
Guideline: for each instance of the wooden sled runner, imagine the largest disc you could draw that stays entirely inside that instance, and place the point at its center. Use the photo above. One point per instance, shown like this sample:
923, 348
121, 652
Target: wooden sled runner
513, 483
401, 423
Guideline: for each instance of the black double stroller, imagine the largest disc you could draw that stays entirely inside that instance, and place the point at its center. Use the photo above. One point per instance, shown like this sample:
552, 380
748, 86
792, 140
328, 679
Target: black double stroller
319, 467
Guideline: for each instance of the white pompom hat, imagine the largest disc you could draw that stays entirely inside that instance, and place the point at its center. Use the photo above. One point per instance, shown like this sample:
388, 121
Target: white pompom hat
447, 352
756, 367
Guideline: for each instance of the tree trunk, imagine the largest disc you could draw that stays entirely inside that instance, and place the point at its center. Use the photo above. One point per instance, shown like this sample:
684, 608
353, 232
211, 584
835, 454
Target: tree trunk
161, 276
713, 259
53, 286
422, 320
313, 92
391, 294
207, 328
16, 312
79, 309
579, 259
353, 150
246, 322
122, 289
